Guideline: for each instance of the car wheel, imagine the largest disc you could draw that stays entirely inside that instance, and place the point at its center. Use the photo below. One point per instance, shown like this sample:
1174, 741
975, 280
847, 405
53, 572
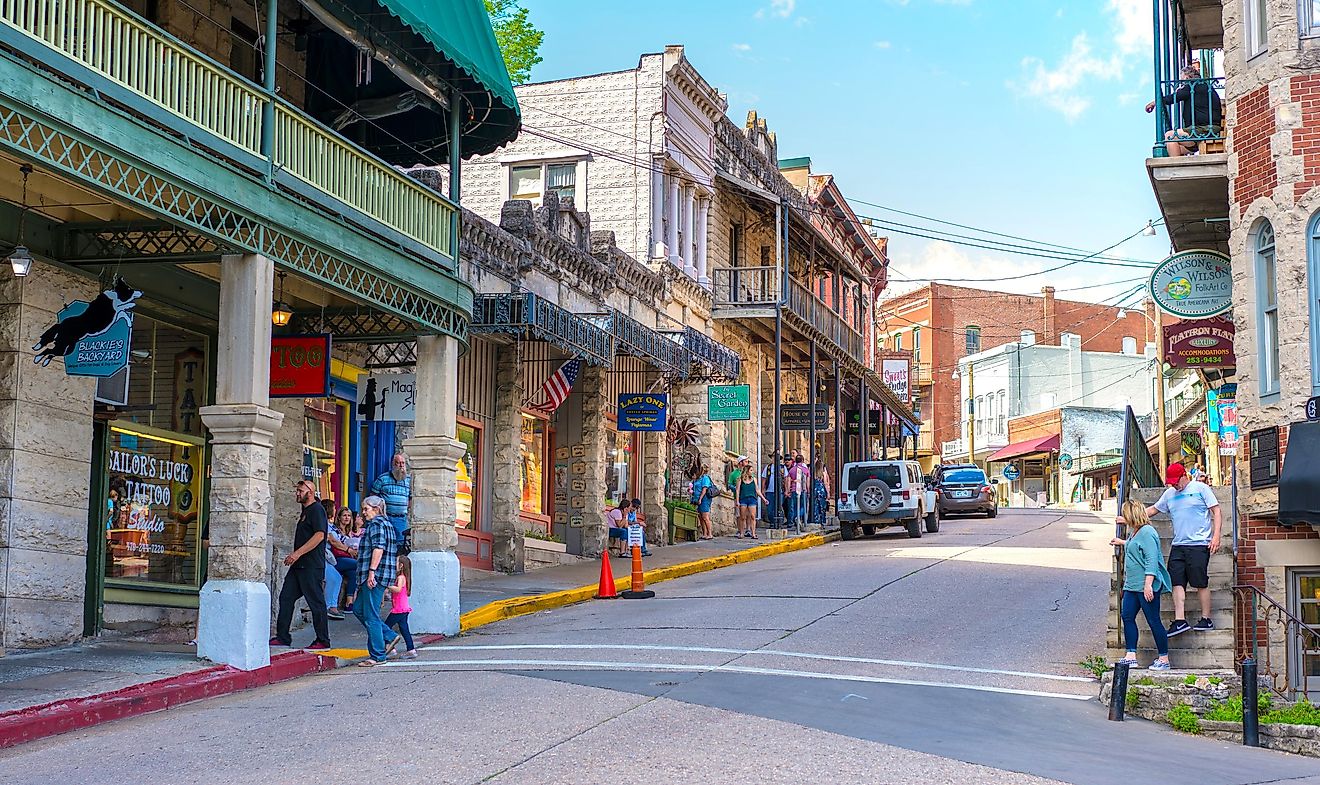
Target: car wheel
847, 531
868, 530
914, 528
993, 512
932, 521
873, 497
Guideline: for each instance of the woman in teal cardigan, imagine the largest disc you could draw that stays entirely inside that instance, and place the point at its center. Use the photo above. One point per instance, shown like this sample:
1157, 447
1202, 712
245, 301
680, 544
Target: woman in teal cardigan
1144, 578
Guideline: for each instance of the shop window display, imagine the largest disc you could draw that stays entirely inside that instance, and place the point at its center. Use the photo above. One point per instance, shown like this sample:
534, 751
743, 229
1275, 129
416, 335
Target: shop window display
619, 470
531, 465
468, 468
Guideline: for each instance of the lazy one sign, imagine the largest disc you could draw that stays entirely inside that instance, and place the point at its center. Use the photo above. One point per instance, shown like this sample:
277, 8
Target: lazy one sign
387, 397
1193, 284
92, 337
300, 366
643, 412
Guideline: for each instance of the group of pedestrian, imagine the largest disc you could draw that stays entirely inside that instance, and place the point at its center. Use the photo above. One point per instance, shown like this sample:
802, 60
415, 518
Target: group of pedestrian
797, 492
361, 557
626, 514
1197, 525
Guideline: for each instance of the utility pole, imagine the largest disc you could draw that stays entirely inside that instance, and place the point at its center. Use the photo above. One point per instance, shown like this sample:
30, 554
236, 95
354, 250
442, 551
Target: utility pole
971, 413
1159, 390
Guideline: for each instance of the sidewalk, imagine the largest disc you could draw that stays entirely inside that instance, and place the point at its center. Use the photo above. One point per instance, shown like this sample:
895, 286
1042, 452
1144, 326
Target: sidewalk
58, 690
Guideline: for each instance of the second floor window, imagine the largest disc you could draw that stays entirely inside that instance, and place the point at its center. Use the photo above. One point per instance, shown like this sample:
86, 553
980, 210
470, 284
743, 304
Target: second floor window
1254, 26
532, 181
1309, 18
1267, 309
973, 337
898, 341
916, 344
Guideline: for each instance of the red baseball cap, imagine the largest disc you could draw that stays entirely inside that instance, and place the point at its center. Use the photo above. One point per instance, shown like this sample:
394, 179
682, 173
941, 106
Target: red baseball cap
1174, 473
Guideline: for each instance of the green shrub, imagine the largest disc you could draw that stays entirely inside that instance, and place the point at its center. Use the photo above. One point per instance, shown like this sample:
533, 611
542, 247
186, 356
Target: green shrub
679, 504
1231, 710
1095, 665
1145, 681
1133, 698
1303, 712
1182, 718
1215, 680
1190, 680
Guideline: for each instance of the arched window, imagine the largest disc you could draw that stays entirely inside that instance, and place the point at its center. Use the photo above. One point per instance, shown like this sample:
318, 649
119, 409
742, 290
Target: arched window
1313, 285
1267, 311
1129, 345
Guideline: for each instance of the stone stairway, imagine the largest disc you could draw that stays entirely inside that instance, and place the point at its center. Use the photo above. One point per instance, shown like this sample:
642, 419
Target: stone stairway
1191, 650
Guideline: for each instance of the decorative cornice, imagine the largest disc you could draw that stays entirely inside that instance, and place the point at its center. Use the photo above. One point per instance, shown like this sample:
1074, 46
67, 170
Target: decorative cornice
631, 276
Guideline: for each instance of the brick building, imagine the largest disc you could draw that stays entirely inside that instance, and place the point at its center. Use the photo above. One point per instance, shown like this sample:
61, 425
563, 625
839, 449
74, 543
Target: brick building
940, 324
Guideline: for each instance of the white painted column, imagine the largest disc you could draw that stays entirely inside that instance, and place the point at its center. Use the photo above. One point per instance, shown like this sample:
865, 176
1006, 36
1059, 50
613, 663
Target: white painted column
671, 232
689, 217
657, 212
433, 453
703, 228
233, 617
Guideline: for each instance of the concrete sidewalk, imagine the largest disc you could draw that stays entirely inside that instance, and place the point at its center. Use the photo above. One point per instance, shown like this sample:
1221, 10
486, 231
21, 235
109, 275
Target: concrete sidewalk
69, 687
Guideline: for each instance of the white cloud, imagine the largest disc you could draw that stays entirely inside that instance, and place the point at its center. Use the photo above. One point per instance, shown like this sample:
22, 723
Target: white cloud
883, 44
780, 8
742, 47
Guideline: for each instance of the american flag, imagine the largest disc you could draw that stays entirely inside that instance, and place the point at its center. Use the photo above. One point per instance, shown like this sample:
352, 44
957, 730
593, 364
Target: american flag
556, 389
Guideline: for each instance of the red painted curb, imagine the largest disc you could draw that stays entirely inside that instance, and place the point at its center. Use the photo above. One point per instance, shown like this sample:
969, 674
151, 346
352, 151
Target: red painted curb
50, 719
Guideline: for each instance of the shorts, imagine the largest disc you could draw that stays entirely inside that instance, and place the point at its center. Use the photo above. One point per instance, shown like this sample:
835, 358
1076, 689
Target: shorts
747, 502
1189, 565
705, 505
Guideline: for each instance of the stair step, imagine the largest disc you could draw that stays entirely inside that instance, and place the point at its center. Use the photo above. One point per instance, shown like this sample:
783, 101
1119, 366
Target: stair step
1191, 659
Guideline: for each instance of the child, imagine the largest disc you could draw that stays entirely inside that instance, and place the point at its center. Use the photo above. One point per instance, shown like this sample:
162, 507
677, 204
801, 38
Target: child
400, 609
1144, 578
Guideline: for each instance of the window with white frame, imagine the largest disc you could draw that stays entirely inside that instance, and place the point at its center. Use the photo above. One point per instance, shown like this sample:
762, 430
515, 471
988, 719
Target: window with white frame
898, 341
916, 344
1003, 412
532, 181
1308, 18
1267, 310
980, 415
1254, 26
1313, 286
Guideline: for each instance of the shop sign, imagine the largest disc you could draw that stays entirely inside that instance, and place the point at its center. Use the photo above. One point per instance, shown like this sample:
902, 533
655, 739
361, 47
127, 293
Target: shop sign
1203, 343
1264, 457
1313, 409
93, 337
798, 417
728, 402
643, 412
300, 366
895, 374
386, 397
1193, 284
1065, 462
1011, 472
853, 423
1228, 427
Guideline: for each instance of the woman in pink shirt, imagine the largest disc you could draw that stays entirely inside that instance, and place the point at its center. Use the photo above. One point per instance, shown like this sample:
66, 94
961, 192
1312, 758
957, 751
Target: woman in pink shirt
400, 608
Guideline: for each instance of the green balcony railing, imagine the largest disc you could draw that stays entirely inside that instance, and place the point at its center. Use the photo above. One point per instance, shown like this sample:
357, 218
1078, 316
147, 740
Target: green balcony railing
168, 74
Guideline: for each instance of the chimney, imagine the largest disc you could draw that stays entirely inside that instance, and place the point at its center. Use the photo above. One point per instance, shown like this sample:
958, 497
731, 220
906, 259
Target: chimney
1051, 336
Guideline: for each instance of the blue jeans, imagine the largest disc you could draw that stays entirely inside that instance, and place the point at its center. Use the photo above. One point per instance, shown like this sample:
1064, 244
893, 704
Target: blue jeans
367, 610
400, 620
1132, 600
771, 506
332, 585
347, 568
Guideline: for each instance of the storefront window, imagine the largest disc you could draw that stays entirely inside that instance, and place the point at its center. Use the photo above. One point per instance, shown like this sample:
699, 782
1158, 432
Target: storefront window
153, 506
468, 468
322, 447
618, 471
531, 461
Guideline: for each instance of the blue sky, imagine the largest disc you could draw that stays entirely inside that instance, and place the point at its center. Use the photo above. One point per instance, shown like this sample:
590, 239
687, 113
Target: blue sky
1020, 116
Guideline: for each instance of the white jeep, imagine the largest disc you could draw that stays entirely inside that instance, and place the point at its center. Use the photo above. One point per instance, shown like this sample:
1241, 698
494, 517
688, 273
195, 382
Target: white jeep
875, 494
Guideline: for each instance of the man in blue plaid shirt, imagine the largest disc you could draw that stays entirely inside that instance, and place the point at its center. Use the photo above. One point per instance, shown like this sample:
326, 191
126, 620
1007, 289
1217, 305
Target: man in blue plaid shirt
377, 568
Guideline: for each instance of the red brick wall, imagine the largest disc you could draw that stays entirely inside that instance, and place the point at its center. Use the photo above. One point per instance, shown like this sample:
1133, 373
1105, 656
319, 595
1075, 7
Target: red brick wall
1306, 140
1256, 175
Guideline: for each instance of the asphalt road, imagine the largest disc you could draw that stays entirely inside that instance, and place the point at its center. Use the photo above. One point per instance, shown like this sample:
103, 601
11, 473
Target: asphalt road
949, 659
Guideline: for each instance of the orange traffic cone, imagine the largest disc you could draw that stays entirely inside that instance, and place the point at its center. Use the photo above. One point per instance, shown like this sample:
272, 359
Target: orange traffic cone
638, 591
606, 590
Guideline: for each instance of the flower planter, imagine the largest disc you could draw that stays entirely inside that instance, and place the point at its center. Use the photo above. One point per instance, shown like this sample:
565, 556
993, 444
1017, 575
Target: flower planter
682, 524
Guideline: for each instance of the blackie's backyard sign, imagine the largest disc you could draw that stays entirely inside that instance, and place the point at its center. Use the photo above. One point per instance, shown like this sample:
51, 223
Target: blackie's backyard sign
92, 337
1203, 343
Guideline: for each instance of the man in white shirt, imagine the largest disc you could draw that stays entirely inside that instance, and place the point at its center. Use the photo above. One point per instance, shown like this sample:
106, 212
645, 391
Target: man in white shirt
1194, 510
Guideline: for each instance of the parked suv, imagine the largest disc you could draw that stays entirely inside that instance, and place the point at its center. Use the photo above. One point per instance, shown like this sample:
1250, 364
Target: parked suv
964, 488
875, 494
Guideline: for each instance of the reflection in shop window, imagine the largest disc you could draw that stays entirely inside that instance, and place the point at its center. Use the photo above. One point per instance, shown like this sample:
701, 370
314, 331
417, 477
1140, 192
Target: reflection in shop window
468, 467
321, 446
618, 471
531, 463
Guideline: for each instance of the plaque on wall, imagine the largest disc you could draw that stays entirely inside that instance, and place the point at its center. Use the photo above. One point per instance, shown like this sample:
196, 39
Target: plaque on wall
561, 477
561, 518
578, 503
579, 467
579, 450
579, 486
575, 521
561, 453
1263, 453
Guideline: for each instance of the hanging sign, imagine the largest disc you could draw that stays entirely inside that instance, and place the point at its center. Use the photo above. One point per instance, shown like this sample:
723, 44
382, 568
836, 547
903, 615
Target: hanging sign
1065, 462
1193, 284
798, 417
93, 337
895, 374
643, 412
300, 366
1228, 427
725, 402
853, 424
386, 397
1011, 472
1203, 343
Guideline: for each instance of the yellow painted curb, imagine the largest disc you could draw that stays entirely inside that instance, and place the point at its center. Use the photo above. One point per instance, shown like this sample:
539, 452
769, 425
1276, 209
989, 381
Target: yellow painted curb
522, 606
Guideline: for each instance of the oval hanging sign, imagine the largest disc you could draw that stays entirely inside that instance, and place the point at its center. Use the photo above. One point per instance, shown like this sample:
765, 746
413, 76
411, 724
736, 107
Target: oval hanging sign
1193, 284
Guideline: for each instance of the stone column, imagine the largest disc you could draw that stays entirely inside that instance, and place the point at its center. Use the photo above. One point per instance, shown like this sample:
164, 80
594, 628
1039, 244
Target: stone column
671, 231
657, 212
703, 226
689, 219
595, 437
506, 482
233, 617
433, 453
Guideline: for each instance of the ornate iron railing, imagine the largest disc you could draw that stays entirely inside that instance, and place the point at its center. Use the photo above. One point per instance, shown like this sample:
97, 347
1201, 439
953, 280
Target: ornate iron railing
633, 338
712, 361
167, 74
525, 314
1278, 641
745, 286
809, 308
1191, 110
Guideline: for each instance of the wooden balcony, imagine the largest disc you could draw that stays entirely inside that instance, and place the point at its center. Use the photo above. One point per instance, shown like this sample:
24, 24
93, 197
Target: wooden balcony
754, 292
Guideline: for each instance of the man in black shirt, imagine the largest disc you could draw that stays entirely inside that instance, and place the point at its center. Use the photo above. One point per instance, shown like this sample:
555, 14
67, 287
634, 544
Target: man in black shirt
1198, 112
306, 576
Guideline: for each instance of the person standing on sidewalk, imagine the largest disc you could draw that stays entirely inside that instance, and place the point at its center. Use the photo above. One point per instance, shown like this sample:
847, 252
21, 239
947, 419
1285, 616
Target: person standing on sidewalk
773, 481
307, 566
1197, 523
820, 492
703, 497
400, 607
1144, 579
377, 568
395, 487
748, 493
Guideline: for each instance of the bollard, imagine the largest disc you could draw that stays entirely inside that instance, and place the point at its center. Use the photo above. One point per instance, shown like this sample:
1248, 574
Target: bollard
1118, 693
1250, 704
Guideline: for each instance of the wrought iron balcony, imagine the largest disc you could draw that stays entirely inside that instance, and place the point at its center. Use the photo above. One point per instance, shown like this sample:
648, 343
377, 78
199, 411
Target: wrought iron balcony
525, 314
167, 82
745, 287
1190, 113
831, 325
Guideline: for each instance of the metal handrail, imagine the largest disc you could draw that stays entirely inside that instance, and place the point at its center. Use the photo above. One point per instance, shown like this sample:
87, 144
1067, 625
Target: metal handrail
1266, 617
746, 285
1180, 103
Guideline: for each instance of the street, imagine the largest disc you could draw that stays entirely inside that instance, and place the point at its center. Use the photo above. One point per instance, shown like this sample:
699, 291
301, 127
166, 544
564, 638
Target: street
889, 660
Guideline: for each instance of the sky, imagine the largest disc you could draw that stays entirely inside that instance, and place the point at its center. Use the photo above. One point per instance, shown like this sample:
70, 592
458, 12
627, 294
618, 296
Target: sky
1023, 117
